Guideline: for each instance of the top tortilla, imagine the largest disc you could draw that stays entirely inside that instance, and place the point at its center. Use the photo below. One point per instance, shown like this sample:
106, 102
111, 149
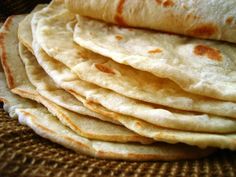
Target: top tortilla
212, 19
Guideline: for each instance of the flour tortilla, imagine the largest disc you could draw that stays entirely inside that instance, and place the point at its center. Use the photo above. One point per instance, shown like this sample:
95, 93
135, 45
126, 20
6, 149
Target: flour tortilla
122, 79
24, 34
201, 140
205, 19
198, 66
61, 75
8, 36
123, 105
52, 129
145, 86
46, 125
12, 102
46, 87
82, 125
54, 8
153, 114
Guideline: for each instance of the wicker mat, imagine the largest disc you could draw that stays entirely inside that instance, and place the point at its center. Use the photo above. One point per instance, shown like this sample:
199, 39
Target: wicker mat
23, 153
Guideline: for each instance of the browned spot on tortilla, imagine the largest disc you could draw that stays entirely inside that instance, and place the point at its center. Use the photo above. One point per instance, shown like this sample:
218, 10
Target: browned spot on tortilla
155, 51
211, 53
165, 3
168, 3
8, 73
229, 20
159, 2
203, 30
104, 69
118, 17
119, 37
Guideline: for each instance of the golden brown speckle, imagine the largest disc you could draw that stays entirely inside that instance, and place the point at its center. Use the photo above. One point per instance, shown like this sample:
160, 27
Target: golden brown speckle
212, 53
104, 69
154, 51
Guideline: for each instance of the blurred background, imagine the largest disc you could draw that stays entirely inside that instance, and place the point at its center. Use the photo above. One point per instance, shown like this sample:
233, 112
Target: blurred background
10, 7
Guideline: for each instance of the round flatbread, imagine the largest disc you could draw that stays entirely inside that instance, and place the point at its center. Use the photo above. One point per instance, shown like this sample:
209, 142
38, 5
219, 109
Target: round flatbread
201, 67
205, 19
54, 35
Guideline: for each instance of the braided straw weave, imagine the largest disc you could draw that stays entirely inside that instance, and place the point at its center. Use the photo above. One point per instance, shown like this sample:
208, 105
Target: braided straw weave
24, 154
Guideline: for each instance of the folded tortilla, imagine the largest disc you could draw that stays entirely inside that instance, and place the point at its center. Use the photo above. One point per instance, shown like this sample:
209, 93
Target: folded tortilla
205, 19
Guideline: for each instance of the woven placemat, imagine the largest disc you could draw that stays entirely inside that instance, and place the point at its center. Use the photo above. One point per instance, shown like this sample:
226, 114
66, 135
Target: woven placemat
23, 153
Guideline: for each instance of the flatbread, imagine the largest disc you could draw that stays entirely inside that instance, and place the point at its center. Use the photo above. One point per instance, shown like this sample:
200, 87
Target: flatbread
12, 102
198, 66
119, 78
205, 19
24, 34
83, 125
61, 75
65, 51
52, 129
46, 125
44, 85
144, 86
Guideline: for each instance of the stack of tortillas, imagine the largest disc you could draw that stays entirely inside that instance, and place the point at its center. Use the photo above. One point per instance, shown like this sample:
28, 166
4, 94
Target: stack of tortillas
84, 75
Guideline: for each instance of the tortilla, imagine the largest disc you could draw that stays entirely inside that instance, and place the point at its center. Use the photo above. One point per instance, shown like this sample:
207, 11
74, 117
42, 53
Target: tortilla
46, 87
64, 50
200, 67
66, 79
82, 125
119, 78
46, 125
24, 34
143, 86
12, 102
52, 129
205, 19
